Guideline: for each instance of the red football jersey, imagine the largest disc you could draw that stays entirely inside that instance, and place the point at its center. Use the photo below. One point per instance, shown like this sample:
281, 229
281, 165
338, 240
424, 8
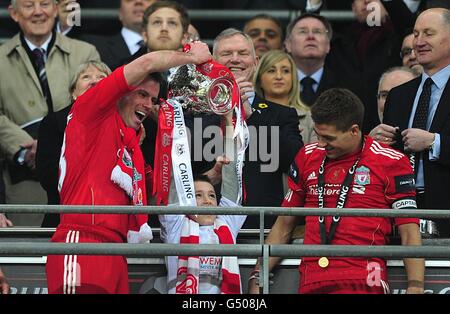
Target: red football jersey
89, 154
383, 178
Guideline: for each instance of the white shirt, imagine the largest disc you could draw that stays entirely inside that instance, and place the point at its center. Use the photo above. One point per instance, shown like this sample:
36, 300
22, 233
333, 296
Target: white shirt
210, 266
58, 29
43, 46
132, 39
317, 76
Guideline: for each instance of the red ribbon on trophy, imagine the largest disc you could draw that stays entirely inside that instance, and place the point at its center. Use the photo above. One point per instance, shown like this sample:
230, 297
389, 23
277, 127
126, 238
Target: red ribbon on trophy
163, 154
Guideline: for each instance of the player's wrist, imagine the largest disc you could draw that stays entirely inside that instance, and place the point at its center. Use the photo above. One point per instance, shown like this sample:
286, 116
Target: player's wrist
415, 284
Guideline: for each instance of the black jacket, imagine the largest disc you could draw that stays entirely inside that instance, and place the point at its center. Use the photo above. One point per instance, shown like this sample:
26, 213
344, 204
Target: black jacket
262, 187
112, 49
436, 173
50, 140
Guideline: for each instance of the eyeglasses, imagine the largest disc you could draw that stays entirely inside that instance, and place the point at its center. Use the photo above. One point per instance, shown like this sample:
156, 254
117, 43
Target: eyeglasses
382, 95
405, 52
304, 32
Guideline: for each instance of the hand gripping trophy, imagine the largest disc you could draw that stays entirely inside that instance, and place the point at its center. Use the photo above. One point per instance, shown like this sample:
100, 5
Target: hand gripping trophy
206, 88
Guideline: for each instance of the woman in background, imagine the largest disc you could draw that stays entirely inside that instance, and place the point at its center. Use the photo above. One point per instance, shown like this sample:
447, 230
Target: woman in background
276, 80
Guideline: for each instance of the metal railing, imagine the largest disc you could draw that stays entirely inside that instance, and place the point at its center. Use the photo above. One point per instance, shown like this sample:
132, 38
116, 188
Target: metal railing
215, 14
241, 250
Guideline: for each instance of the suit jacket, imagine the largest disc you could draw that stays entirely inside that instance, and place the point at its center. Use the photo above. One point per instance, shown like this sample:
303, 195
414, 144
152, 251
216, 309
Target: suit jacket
113, 49
21, 97
328, 80
50, 140
361, 75
436, 173
266, 188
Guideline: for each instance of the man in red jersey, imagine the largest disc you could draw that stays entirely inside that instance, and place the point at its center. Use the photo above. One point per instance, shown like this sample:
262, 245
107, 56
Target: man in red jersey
101, 164
347, 169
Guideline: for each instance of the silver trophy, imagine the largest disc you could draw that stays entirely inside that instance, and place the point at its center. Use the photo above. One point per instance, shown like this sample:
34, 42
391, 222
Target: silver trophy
197, 93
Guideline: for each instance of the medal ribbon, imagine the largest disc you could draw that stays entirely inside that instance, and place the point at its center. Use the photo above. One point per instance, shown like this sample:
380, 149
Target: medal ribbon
343, 195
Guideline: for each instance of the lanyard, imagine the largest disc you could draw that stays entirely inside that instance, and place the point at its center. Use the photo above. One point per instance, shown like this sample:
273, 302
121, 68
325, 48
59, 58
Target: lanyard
340, 203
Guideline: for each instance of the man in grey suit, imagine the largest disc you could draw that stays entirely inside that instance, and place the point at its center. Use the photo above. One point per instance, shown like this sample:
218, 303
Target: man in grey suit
37, 67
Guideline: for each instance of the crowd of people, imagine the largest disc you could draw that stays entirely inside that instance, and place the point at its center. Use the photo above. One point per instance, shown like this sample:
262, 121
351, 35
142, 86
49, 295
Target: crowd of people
355, 118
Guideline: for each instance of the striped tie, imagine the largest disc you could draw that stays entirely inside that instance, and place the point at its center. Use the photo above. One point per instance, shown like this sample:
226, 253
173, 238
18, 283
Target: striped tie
39, 59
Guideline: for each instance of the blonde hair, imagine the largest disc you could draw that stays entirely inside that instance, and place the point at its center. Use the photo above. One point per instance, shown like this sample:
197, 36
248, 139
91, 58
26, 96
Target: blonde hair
267, 61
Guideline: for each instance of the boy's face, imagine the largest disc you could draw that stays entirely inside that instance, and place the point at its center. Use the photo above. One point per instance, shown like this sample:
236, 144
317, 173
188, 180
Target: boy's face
205, 196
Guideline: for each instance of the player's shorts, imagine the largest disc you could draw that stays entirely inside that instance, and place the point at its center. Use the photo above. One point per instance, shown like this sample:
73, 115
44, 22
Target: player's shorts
81, 274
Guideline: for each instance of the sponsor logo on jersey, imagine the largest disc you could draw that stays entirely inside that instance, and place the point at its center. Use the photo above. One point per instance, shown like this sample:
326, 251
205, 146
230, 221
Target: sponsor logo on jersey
405, 183
312, 176
362, 176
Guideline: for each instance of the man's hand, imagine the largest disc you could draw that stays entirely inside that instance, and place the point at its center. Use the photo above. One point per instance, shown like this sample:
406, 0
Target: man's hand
30, 156
215, 173
246, 89
417, 140
200, 52
4, 286
5, 222
142, 138
384, 133
253, 287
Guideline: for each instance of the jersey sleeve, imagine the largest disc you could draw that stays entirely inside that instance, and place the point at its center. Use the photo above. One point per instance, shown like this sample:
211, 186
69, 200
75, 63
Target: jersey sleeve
401, 189
101, 100
234, 222
295, 197
170, 227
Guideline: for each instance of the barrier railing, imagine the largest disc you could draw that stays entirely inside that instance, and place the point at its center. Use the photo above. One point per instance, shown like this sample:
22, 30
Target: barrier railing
241, 250
215, 14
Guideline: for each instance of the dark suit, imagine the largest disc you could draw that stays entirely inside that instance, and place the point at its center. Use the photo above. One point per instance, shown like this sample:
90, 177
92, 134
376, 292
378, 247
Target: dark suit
358, 56
112, 49
328, 80
266, 188
436, 173
50, 139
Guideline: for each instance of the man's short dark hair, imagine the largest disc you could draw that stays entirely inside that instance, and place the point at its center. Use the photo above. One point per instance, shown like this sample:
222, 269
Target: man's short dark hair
159, 78
321, 18
338, 107
181, 9
266, 17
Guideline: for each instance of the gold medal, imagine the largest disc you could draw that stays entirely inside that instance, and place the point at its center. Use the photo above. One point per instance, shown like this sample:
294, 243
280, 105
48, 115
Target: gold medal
323, 262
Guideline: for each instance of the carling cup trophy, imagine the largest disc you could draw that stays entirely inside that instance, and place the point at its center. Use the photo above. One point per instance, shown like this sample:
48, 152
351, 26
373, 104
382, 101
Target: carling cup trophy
199, 90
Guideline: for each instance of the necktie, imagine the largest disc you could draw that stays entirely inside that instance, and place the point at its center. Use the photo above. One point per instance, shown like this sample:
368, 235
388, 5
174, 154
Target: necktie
421, 116
307, 94
39, 59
